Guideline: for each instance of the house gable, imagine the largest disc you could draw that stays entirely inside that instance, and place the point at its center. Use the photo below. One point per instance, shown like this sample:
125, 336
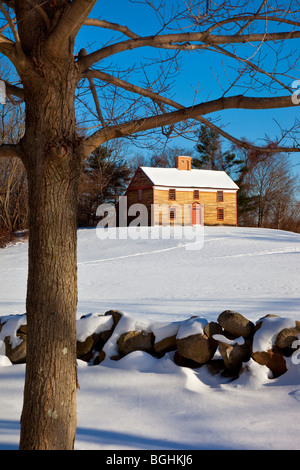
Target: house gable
140, 180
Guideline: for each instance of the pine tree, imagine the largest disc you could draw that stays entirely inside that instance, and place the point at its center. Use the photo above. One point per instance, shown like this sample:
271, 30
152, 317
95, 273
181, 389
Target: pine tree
105, 176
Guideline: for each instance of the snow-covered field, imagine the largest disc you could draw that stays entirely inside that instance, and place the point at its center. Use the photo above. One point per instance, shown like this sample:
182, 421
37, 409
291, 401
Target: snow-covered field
141, 402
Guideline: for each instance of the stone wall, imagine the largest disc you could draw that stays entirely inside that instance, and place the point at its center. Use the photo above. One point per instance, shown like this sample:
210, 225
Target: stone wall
223, 345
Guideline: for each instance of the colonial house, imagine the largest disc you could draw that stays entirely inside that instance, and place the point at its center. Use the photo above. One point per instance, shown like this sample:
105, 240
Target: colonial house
182, 195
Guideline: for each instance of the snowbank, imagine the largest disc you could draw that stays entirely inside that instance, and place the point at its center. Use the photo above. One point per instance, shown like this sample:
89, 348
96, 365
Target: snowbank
144, 402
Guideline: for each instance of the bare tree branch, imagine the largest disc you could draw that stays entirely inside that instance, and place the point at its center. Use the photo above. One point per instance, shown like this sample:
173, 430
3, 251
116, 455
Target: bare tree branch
251, 18
12, 27
7, 48
161, 99
193, 112
181, 41
14, 90
71, 22
9, 150
42, 13
12, 50
251, 65
113, 26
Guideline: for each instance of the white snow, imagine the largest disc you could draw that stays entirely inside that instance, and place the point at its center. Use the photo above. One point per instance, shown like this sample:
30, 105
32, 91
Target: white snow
165, 330
265, 337
10, 327
172, 177
232, 342
141, 402
92, 323
192, 326
4, 361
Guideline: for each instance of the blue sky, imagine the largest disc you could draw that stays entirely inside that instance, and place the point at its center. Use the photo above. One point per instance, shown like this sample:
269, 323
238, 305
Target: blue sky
199, 72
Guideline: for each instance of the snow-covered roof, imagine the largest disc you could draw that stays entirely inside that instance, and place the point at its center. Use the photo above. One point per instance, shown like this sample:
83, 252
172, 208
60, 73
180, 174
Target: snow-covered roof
189, 178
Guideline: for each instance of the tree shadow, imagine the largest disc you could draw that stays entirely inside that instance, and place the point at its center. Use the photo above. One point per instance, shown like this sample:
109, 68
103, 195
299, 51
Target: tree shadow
11, 428
121, 440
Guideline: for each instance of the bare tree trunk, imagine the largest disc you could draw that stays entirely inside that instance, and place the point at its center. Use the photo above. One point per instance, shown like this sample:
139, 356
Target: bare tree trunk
48, 422
51, 155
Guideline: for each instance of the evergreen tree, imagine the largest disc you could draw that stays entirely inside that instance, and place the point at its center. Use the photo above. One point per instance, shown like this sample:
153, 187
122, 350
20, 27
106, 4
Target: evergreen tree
105, 176
211, 155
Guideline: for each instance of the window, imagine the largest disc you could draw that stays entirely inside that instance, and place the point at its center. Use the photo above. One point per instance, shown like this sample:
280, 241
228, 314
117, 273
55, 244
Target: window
220, 196
196, 194
140, 194
220, 214
172, 194
172, 213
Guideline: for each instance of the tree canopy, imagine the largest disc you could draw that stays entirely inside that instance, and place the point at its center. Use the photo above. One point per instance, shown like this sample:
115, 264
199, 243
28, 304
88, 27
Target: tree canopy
256, 38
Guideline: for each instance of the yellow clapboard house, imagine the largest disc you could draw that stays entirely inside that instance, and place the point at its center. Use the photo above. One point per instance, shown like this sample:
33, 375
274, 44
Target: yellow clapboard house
184, 196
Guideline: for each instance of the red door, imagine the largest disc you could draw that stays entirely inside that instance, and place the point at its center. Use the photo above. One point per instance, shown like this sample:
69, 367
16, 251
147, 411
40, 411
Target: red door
196, 214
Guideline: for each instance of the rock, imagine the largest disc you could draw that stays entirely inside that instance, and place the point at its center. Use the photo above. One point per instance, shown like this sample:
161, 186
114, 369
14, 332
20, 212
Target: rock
287, 336
136, 341
264, 351
85, 348
273, 359
116, 316
98, 358
199, 348
234, 354
16, 354
236, 324
14, 337
93, 344
165, 345
213, 328
215, 366
104, 336
22, 329
184, 362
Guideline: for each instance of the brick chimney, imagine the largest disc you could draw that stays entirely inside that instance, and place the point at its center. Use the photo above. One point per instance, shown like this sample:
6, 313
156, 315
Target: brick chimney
183, 163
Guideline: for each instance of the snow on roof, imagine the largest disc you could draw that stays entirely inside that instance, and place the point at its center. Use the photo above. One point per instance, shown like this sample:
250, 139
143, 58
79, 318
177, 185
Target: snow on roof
189, 178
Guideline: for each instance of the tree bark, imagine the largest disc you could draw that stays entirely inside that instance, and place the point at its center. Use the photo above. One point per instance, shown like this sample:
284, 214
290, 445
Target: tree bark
51, 154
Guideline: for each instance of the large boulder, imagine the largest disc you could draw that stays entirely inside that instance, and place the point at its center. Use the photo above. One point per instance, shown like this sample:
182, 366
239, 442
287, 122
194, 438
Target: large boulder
136, 341
116, 316
235, 324
13, 331
93, 330
212, 328
233, 352
165, 345
272, 358
16, 353
198, 348
270, 331
193, 343
165, 337
85, 348
287, 336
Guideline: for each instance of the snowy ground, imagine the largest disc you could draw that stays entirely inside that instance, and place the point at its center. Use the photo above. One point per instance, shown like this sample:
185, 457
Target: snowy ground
141, 402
